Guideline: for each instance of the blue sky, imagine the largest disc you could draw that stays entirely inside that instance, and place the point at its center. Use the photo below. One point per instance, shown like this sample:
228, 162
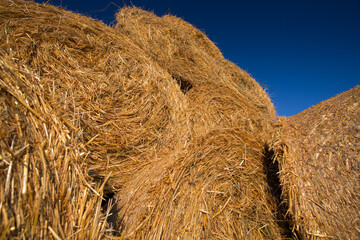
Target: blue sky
302, 52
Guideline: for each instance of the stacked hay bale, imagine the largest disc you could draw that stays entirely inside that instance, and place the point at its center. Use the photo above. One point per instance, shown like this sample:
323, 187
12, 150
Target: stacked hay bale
78, 99
150, 110
120, 103
213, 186
188, 55
44, 191
213, 189
319, 156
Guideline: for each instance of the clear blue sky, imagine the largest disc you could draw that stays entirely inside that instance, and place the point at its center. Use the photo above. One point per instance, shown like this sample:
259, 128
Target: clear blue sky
301, 51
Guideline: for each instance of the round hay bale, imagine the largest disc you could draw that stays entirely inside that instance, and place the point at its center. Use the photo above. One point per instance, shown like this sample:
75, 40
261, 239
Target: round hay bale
45, 190
88, 104
213, 189
319, 156
44, 183
188, 55
176, 196
123, 107
217, 106
222, 100
151, 108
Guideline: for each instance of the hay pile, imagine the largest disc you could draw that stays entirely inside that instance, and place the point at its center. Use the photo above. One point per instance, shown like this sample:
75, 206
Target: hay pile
78, 99
151, 112
120, 103
214, 189
188, 55
214, 186
319, 157
87, 109
44, 188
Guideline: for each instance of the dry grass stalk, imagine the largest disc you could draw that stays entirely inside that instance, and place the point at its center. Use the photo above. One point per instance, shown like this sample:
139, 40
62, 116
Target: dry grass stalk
319, 156
188, 55
214, 185
214, 189
42, 193
69, 99
151, 108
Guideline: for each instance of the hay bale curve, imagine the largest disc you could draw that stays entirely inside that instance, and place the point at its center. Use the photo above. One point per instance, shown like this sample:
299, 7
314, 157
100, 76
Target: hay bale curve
84, 95
223, 103
214, 189
319, 157
188, 55
150, 110
123, 106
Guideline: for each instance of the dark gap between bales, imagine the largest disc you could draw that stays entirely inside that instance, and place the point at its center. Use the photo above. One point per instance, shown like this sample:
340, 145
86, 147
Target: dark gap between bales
108, 202
284, 221
184, 85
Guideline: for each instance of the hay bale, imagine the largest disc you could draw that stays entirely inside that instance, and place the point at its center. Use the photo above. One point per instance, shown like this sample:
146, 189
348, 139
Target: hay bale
89, 103
203, 189
215, 107
213, 189
188, 55
150, 110
122, 105
215, 186
44, 191
318, 152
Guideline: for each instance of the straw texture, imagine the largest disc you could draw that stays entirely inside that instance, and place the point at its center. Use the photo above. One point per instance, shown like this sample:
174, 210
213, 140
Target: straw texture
87, 110
45, 190
188, 55
150, 112
78, 100
319, 158
214, 189
214, 185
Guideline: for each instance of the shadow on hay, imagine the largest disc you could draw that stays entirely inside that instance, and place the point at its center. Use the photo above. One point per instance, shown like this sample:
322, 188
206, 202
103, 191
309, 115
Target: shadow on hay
272, 169
184, 85
109, 201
